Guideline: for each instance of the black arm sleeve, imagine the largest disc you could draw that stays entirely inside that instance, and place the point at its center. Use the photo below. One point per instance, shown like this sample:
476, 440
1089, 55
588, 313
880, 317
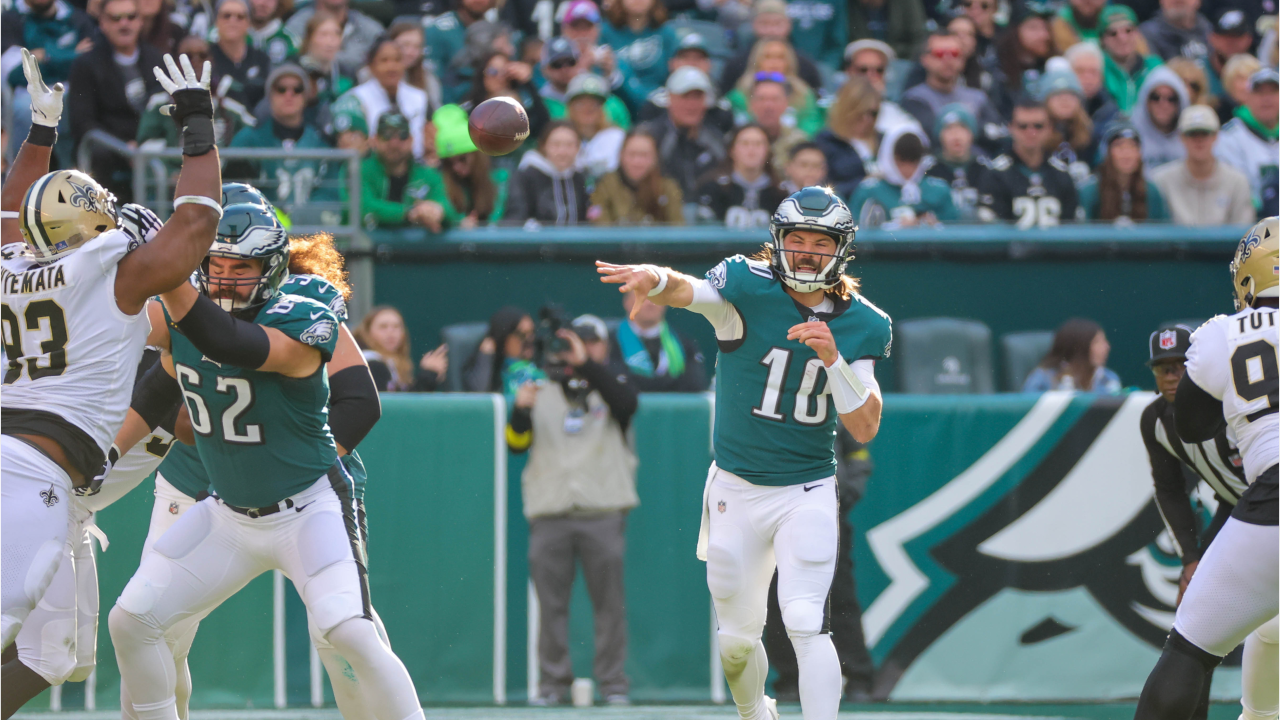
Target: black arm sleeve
1197, 414
354, 407
618, 394
224, 338
381, 375
1171, 490
156, 396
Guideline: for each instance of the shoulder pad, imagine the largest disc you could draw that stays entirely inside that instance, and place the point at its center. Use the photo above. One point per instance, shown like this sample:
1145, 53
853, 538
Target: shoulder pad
1055, 162
1004, 162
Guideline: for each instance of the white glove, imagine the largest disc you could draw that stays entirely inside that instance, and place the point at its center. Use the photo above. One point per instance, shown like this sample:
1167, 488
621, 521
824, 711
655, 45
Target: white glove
46, 103
139, 222
184, 79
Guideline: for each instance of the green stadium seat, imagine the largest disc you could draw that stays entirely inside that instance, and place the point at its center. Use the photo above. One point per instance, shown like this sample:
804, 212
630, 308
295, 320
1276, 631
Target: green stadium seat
943, 356
1020, 352
463, 340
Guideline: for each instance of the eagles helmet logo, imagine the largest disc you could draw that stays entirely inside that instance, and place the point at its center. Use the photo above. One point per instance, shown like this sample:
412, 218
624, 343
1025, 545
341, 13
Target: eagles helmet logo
320, 332
814, 209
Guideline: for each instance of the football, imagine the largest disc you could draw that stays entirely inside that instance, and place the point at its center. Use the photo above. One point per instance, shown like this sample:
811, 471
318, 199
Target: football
498, 126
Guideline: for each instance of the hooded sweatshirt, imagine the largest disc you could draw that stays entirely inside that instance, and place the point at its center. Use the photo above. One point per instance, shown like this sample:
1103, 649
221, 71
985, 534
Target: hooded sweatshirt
541, 194
1159, 147
1122, 86
889, 197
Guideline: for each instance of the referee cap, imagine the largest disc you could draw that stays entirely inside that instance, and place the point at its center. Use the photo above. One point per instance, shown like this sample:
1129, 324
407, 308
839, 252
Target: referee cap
1170, 342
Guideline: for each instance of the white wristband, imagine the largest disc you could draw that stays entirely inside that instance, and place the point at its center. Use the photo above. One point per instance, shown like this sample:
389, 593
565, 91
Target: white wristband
848, 393
8, 215
663, 277
199, 200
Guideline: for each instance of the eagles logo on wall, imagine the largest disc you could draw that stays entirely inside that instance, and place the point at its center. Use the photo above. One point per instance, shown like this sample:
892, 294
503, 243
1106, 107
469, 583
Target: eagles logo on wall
1046, 549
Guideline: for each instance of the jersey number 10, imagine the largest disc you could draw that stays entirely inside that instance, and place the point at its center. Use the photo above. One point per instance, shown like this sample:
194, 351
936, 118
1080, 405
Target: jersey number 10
778, 360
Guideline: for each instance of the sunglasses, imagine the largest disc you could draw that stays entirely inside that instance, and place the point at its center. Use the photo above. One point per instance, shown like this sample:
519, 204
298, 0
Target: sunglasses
233, 16
948, 53
127, 17
561, 64
1171, 98
394, 135
771, 77
1029, 126
869, 69
287, 89
1119, 31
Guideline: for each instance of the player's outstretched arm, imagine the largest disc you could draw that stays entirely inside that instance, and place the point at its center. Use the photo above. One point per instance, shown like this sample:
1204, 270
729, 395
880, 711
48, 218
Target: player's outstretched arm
170, 258
644, 279
226, 339
32, 162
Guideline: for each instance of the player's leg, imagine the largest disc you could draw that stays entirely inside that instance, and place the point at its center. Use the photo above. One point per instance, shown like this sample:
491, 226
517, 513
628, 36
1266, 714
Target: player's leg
320, 549
1260, 674
551, 568
1238, 571
805, 545
87, 604
208, 555
35, 497
740, 566
602, 545
342, 677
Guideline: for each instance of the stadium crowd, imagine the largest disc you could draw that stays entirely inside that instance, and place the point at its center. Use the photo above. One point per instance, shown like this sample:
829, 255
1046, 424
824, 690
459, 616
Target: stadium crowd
697, 111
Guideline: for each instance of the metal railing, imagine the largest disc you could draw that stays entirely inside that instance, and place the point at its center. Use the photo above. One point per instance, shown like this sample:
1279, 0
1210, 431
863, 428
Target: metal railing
156, 169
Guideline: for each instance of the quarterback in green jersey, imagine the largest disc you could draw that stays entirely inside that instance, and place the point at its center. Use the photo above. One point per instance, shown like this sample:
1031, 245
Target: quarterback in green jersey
798, 347
251, 364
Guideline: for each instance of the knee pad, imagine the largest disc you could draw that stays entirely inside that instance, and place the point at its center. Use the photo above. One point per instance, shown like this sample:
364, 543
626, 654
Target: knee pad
44, 564
188, 532
802, 618
734, 649
145, 587
1269, 631
55, 657
724, 562
127, 628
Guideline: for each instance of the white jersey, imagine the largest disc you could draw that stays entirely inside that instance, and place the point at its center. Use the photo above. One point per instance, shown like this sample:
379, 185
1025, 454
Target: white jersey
131, 469
70, 350
1234, 359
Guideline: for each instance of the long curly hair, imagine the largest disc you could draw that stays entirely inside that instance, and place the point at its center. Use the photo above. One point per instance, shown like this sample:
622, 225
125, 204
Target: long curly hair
316, 255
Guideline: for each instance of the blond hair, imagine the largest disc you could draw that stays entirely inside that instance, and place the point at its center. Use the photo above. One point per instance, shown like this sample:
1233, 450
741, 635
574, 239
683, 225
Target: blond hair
316, 255
798, 90
856, 96
1238, 66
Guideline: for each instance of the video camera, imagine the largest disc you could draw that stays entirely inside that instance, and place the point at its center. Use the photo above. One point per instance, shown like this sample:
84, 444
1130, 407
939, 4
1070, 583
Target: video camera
547, 345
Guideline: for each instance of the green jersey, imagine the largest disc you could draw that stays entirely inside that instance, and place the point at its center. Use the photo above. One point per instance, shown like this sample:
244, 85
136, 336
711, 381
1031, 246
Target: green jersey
262, 436
184, 471
775, 424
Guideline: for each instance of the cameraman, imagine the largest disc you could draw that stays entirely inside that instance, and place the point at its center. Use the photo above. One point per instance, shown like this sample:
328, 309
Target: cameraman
578, 485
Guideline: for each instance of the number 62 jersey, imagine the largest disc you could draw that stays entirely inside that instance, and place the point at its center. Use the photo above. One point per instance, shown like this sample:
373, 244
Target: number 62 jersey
70, 352
1233, 358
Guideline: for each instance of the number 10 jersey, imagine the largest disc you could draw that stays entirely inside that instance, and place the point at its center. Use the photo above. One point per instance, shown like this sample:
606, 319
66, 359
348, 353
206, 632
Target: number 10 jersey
1233, 358
775, 423
69, 349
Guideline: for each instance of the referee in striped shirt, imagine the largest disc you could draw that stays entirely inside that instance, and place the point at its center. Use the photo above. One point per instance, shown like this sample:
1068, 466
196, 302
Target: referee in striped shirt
1178, 466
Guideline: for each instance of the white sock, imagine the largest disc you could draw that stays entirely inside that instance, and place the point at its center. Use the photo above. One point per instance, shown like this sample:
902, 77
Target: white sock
346, 691
746, 667
1260, 677
820, 678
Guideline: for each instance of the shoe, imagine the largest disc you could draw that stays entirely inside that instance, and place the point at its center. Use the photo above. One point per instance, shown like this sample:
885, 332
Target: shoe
618, 700
550, 700
771, 707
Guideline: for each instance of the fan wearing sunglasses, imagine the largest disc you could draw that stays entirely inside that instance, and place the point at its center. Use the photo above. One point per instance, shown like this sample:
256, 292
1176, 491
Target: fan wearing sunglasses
1027, 186
109, 89
1155, 115
943, 62
1126, 62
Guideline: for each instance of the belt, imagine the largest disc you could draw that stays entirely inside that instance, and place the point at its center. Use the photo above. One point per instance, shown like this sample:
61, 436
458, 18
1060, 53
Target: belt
258, 512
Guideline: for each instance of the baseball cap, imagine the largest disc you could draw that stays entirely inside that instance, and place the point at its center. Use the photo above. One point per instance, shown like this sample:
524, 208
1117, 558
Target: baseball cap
1264, 76
586, 84
590, 327
1231, 22
778, 7
559, 48
687, 79
581, 10
1169, 342
879, 46
1198, 118
393, 120
693, 41
1115, 13
289, 69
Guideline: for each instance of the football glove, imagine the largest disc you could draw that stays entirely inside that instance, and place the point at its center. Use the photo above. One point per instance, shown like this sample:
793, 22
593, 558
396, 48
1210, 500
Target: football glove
46, 102
139, 222
95, 484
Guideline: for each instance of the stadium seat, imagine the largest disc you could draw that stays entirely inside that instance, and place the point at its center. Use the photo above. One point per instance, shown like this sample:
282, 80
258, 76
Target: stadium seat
463, 340
1020, 352
943, 356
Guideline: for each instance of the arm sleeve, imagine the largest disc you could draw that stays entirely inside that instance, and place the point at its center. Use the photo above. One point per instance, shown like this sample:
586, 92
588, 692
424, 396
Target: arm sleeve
224, 338
1171, 492
1197, 414
618, 394
723, 316
354, 407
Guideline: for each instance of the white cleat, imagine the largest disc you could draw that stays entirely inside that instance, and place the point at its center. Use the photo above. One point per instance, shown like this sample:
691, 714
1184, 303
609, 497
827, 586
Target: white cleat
771, 707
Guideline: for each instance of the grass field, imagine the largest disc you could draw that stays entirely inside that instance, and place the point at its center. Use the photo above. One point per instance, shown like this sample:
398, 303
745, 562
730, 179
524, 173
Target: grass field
948, 711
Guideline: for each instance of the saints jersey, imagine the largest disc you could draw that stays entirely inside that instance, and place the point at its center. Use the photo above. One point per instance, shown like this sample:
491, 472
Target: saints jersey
775, 423
70, 352
1233, 358
262, 436
132, 468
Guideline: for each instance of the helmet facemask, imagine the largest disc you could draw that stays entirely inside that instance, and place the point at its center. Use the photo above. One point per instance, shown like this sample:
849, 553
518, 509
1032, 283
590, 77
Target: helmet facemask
226, 290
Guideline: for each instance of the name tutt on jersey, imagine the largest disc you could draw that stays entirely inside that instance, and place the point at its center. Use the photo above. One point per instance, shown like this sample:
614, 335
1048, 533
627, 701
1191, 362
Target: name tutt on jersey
32, 281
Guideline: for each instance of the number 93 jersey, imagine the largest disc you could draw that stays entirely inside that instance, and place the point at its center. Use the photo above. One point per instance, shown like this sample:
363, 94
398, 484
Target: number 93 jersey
775, 423
69, 349
262, 436
1233, 358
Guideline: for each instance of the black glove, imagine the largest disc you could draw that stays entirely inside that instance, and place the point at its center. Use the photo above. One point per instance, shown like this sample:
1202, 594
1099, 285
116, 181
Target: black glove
95, 484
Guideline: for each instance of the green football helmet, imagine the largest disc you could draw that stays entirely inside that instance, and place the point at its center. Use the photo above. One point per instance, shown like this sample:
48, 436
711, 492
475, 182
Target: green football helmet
816, 209
247, 231
235, 193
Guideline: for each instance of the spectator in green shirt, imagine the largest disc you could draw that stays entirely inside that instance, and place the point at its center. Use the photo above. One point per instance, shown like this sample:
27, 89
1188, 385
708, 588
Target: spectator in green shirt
1125, 67
396, 190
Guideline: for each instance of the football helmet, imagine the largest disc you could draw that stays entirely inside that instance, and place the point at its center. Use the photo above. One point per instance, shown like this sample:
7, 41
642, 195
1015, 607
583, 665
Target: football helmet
820, 210
247, 231
234, 193
64, 210
1255, 268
